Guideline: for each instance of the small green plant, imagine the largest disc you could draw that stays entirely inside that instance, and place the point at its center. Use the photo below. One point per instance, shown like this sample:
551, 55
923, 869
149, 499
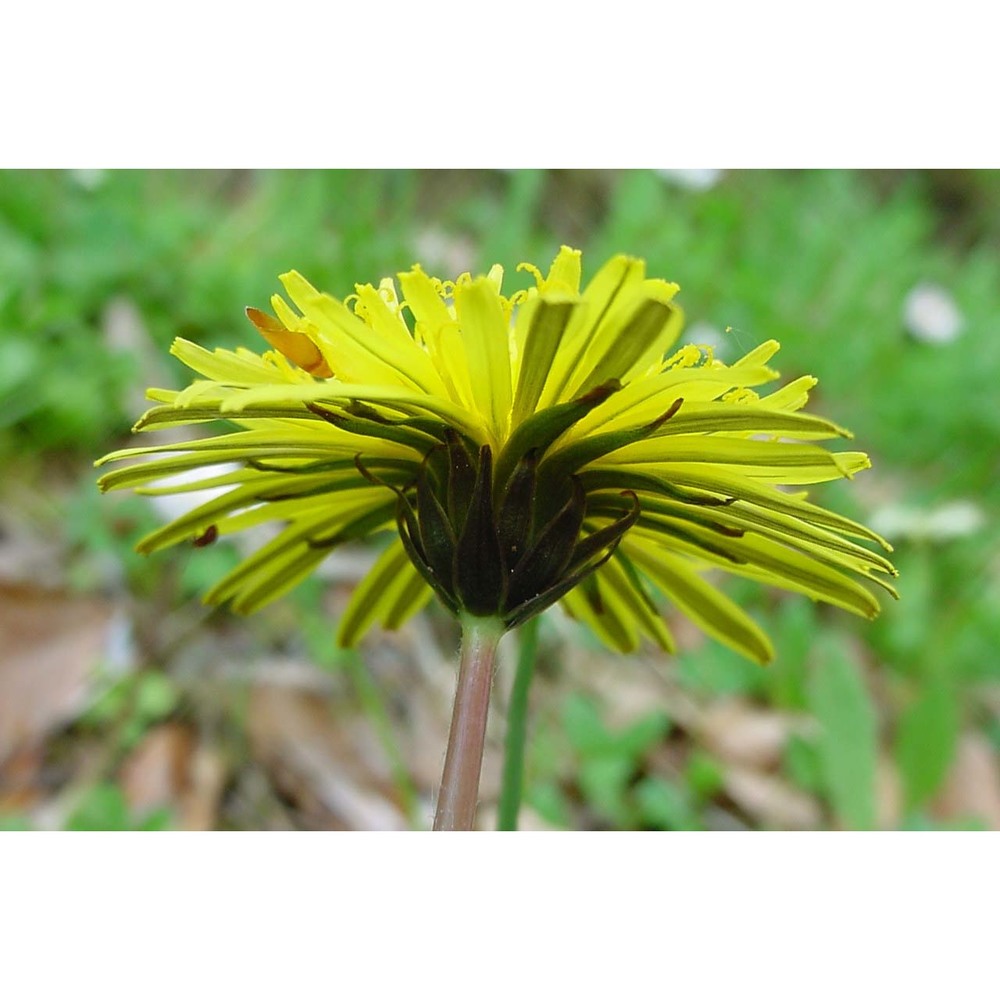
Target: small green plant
103, 807
130, 706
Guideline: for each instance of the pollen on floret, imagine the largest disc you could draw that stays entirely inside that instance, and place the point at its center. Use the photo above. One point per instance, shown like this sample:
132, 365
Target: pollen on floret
687, 357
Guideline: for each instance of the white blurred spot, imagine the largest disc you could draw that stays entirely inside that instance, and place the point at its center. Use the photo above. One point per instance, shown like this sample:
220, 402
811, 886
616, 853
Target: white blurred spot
692, 180
951, 520
930, 314
705, 335
122, 324
176, 505
125, 332
437, 250
89, 180
120, 652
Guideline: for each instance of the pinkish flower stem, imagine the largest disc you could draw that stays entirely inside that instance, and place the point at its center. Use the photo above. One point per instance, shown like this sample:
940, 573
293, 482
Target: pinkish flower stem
459, 795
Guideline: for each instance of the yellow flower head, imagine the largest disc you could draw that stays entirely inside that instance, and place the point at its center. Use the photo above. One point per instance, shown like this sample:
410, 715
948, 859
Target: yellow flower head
529, 449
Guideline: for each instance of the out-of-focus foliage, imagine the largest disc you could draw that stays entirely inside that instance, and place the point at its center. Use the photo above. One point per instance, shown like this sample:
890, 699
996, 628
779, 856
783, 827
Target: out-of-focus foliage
99, 271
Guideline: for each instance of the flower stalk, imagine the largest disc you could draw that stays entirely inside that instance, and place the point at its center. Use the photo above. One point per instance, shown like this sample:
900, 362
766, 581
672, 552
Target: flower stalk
459, 795
517, 726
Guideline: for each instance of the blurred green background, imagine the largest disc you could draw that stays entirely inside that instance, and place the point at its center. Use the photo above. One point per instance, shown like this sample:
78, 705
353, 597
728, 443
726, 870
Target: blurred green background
125, 704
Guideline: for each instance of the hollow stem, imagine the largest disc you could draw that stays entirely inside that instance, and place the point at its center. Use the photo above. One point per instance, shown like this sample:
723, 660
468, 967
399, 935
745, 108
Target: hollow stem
459, 795
513, 757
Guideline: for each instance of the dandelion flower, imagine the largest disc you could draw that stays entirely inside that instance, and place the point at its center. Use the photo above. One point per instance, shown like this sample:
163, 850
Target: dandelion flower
547, 446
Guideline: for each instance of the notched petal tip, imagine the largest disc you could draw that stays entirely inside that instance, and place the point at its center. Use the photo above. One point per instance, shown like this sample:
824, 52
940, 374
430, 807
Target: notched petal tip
207, 537
664, 417
597, 395
849, 463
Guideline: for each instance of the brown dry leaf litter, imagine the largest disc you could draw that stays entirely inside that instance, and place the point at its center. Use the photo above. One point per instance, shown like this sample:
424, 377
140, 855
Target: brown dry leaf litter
50, 645
171, 768
972, 788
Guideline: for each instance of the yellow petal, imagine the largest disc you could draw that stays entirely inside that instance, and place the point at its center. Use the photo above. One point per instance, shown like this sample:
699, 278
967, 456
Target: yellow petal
437, 327
793, 396
222, 365
637, 332
422, 296
297, 347
564, 274
615, 278
388, 326
390, 579
645, 399
487, 347
708, 607
778, 462
606, 614
353, 349
541, 325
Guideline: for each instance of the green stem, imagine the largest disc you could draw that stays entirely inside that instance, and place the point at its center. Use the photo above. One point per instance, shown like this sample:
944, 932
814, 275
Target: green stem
373, 704
517, 724
459, 795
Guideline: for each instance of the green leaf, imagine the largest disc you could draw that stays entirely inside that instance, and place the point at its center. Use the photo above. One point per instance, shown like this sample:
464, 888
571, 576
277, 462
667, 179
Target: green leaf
803, 765
639, 737
847, 743
158, 819
703, 775
590, 737
925, 742
156, 696
921, 823
204, 566
909, 627
794, 632
665, 805
584, 726
718, 671
102, 808
15, 824
548, 800
604, 781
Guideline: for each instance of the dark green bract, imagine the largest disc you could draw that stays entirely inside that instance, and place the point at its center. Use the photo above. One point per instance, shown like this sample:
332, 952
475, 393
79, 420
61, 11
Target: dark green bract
503, 539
